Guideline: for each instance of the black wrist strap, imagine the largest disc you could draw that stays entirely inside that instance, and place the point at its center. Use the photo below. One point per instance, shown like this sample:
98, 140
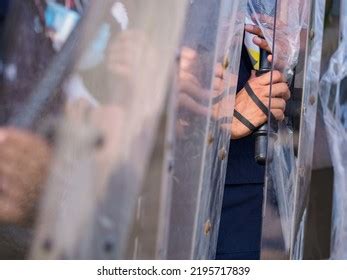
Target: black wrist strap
244, 121
258, 102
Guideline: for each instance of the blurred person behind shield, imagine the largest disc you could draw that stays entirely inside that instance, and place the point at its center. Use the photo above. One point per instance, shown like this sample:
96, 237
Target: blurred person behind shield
25, 154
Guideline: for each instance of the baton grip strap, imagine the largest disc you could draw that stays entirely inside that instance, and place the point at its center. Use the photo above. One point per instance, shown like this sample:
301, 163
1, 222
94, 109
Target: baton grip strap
258, 102
244, 121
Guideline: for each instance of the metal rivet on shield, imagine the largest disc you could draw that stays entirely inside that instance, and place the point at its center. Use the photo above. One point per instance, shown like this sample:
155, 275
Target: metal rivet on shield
108, 247
312, 99
170, 166
222, 154
207, 227
47, 245
51, 134
226, 62
210, 138
178, 57
312, 34
99, 141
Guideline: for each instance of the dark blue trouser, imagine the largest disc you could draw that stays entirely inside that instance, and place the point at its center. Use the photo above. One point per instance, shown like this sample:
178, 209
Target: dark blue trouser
240, 225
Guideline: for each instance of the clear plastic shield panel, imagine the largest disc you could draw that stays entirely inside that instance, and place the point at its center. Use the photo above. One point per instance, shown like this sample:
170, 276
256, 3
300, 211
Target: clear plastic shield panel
24, 57
228, 55
333, 96
207, 76
311, 76
110, 67
319, 212
293, 31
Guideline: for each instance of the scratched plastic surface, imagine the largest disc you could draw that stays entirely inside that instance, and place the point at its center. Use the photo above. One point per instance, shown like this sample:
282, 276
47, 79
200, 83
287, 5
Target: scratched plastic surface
104, 139
333, 97
297, 55
205, 103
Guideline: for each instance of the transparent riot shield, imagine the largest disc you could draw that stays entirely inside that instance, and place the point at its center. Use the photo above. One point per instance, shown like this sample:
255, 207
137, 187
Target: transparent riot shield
307, 126
333, 96
24, 56
294, 32
219, 128
108, 77
207, 75
319, 215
